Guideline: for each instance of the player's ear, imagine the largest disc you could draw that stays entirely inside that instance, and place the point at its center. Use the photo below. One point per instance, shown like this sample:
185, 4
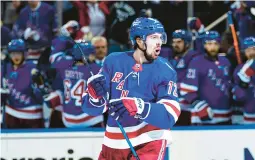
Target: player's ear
139, 42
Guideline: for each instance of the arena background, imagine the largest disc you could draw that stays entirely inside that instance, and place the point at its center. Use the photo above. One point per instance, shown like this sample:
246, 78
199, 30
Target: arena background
225, 142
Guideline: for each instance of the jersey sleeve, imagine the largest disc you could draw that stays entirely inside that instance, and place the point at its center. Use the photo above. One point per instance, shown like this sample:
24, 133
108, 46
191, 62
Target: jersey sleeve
20, 25
60, 60
249, 68
190, 84
87, 106
165, 112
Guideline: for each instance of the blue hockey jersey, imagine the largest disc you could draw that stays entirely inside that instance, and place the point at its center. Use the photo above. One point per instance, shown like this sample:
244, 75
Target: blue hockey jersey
23, 102
210, 81
74, 80
246, 96
181, 64
154, 83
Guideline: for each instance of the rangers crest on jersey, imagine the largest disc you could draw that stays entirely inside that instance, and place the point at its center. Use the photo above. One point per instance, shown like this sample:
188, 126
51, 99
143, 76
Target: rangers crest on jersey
181, 64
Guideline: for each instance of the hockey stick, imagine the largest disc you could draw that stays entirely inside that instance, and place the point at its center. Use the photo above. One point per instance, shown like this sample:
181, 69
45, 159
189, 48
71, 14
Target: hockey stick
233, 31
119, 125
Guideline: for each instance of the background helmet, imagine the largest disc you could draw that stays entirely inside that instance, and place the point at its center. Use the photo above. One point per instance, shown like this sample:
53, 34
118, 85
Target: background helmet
249, 42
87, 49
16, 45
185, 35
211, 36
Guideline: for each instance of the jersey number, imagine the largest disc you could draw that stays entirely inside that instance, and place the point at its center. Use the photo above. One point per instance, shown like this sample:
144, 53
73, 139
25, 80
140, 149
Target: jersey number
172, 88
76, 92
191, 73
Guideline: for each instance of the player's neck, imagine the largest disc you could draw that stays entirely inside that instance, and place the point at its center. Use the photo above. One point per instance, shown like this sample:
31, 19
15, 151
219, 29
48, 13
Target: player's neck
139, 56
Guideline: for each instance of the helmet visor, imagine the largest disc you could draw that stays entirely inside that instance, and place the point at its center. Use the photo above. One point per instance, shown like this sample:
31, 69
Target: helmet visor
158, 37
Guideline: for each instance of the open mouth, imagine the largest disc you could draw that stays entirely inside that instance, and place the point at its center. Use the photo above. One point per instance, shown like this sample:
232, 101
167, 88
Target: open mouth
157, 51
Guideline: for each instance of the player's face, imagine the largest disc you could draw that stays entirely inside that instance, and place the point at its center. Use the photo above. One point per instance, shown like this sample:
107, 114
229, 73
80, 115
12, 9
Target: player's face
250, 52
178, 45
212, 48
153, 43
16, 57
101, 49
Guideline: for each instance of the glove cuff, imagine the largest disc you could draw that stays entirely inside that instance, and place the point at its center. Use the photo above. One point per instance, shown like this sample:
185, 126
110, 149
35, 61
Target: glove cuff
146, 111
100, 102
203, 110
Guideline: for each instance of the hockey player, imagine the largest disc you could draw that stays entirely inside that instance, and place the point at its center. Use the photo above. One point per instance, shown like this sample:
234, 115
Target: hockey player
23, 105
244, 90
207, 84
142, 95
74, 74
62, 43
182, 55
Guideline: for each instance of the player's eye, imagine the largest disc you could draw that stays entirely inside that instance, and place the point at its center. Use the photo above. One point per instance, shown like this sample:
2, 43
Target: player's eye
154, 37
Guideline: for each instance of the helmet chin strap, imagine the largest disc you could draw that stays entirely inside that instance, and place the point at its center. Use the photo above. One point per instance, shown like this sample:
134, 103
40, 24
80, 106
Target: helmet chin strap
149, 59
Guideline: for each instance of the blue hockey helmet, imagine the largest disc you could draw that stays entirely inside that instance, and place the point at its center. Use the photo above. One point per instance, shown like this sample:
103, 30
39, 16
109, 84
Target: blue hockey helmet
183, 34
142, 27
249, 42
211, 36
16, 45
87, 49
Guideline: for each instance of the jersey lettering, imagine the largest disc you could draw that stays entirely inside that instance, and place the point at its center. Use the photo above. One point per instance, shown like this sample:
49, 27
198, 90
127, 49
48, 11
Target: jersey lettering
124, 93
120, 85
117, 77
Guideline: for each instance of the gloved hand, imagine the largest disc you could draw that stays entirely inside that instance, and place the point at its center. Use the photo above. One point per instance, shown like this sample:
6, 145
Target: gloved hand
135, 106
239, 94
203, 110
117, 110
31, 34
97, 90
54, 100
70, 28
195, 24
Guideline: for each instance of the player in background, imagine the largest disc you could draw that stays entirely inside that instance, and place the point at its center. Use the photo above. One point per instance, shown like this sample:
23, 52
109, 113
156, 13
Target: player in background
141, 90
62, 43
207, 84
23, 103
244, 90
182, 55
74, 75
